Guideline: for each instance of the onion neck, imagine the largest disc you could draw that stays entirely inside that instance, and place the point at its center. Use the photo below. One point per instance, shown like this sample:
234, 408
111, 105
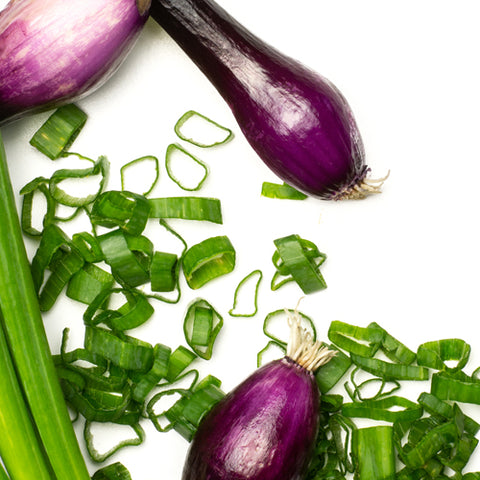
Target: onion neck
218, 44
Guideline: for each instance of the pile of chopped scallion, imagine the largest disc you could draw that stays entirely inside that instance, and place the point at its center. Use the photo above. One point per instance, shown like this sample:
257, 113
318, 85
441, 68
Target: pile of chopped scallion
118, 378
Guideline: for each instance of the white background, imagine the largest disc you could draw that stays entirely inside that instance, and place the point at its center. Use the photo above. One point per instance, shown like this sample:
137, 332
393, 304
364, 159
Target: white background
407, 259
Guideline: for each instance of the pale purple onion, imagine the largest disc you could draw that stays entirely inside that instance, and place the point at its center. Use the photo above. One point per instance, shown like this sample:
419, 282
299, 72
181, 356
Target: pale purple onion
56, 51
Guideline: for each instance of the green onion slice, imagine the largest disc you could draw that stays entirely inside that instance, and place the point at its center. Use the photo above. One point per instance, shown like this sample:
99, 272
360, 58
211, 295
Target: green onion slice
271, 349
390, 371
187, 208
128, 259
126, 210
374, 451
59, 131
164, 272
177, 154
299, 260
435, 354
194, 121
88, 246
457, 387
355, 393
132, 165
180, 359
328, 375
256, 277
208, 260
114, 471
98, 457
269, 325
100, 170
159, 370
123, 351
281, 191
201, 325
389, 409
30, 192
358, 340
394, 349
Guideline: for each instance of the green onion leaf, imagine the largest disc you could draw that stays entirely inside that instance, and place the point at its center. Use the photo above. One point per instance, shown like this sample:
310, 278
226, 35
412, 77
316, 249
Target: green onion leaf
242, 285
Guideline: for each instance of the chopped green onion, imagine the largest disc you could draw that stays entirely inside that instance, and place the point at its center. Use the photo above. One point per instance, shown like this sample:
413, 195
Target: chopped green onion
115, 471
393, 349
328, 375
187, 208
164, 272
133, 164
99, 169
126, 210
123, 351
59, 131
37, 186
101, 457
199, 120
374, 451
457, 387
279, 350
177, 151
271, 317
390, 371
384, 409
238, 289
201, 326
127, 267
88, 246
435, 354
208, 260
135, 312
180, 359
356, 393
281, 191
299, 260
358, 340
88, 282
159, 370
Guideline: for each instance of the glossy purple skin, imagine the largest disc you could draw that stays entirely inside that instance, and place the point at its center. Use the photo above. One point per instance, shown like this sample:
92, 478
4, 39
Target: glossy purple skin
56, 51
264, 429
299, 124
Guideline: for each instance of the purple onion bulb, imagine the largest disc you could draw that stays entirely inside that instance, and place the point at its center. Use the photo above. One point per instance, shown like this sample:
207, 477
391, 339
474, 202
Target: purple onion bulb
54, 51
264, 429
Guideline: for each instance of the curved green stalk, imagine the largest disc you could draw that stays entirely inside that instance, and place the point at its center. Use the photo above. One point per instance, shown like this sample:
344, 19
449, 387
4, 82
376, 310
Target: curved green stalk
28, 343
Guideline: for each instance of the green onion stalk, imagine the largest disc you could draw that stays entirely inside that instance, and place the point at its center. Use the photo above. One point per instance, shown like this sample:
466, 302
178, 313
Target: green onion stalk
25, 357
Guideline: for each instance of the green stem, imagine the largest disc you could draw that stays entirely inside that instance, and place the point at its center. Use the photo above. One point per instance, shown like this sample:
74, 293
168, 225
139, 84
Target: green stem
28, 343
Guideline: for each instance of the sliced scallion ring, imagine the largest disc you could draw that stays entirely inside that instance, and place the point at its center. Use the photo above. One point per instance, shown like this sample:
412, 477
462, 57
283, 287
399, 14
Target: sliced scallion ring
187, 208
176, 154
202, 128
201, 325
59, 131
256, 277
435, 354
208, 260
130, 167
281, 191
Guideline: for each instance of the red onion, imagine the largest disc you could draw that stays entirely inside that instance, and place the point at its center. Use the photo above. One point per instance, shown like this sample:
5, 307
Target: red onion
56, 51
264, 429
299, 124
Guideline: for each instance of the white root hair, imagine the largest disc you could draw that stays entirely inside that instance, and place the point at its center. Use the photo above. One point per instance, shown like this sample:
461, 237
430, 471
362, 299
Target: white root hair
302, 349
363, 189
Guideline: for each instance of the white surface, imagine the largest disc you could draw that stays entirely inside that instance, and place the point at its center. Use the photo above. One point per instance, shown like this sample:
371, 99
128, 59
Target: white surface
407, 259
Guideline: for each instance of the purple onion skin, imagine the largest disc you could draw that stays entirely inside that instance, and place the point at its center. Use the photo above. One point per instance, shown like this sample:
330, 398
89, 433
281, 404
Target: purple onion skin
54, 51
264, 429
299, 124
